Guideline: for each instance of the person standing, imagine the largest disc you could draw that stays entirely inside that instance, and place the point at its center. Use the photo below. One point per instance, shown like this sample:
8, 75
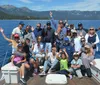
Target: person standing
18, 30
81, 30
49, 37
38, 30
92, 38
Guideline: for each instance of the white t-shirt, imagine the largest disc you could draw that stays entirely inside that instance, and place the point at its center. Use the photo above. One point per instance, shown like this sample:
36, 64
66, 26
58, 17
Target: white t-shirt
52, 58
37, 49
77, 44
17, 30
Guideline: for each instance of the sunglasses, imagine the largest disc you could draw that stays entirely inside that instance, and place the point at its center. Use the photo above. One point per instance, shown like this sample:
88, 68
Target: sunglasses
60, 23
16, 37
91, 29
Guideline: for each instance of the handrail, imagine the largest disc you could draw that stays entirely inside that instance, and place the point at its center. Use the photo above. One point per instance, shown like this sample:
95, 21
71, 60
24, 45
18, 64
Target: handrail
5, 57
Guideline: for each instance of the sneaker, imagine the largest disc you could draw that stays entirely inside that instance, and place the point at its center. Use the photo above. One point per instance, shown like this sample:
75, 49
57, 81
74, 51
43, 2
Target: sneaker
49, 71
43, 73
35, 74
70, 76
23, 81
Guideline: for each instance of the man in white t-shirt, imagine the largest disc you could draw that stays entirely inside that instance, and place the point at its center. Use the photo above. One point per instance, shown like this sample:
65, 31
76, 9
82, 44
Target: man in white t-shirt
18, 30
51, 61
76, 41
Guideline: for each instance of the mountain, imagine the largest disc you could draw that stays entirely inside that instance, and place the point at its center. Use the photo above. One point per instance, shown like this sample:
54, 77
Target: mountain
73, 15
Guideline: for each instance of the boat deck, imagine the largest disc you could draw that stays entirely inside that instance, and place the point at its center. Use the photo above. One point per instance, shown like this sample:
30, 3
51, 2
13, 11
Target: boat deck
37, 80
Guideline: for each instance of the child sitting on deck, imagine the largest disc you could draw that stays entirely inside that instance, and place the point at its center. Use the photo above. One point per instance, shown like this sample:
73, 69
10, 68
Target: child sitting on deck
64, 64
76, 65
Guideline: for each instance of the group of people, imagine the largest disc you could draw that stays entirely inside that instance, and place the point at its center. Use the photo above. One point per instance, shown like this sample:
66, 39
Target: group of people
64, 49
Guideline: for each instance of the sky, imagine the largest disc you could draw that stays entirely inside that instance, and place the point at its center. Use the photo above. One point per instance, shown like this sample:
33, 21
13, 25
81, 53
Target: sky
44, 5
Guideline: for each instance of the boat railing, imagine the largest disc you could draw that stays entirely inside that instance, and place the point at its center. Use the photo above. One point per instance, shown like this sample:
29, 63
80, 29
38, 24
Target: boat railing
5, 59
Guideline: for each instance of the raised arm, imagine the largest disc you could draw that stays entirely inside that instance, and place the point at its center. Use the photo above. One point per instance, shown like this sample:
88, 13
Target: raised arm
53, 21
2, 32
65, 52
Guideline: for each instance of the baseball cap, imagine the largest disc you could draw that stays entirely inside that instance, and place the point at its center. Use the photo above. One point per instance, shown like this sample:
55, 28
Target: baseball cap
76, 54
16, 35
48, 23
79, 24
66, 39
19, 45
21, 23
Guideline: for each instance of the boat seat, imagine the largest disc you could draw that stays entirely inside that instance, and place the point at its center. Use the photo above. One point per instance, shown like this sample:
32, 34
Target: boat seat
10, 73
58, 79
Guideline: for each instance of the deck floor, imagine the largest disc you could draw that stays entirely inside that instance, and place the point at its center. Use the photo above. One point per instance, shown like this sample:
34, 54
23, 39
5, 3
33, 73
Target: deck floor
37, 80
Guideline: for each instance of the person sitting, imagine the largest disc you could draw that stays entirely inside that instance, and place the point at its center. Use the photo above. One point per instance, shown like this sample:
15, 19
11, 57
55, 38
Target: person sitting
37, 55
14, 41
19, 60
38, 50
87, 57
26, 48
76, 64
69, 49
51, 61
64, 63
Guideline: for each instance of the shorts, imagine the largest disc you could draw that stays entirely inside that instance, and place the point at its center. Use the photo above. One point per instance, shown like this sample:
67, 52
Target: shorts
18, 65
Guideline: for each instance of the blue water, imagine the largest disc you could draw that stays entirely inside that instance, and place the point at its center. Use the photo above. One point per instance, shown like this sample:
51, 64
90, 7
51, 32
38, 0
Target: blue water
9, 25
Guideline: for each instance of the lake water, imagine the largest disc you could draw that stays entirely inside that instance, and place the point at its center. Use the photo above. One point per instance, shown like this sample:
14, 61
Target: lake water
9, 25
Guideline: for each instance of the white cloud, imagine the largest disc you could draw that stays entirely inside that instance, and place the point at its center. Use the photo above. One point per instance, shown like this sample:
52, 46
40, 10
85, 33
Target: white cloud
46, 0
38, 7
26, 1
85, 5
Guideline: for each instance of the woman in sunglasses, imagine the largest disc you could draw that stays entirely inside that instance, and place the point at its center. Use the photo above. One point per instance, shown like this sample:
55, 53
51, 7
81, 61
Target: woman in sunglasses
92, 38
87, 57
14, 41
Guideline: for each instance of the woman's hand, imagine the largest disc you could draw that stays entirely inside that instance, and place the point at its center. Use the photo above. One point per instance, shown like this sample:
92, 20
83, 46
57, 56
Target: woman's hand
60, 51
64, 50
94, 63
18, 62
1, 30
50, 14
32, 28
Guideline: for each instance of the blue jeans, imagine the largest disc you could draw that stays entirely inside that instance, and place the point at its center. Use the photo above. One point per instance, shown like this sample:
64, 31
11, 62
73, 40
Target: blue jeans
48, 47
65, 72
51, 65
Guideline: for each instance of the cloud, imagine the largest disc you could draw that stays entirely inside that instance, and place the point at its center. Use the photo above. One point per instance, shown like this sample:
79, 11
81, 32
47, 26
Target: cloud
38, 7
26, 1
85, 5
46, 0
